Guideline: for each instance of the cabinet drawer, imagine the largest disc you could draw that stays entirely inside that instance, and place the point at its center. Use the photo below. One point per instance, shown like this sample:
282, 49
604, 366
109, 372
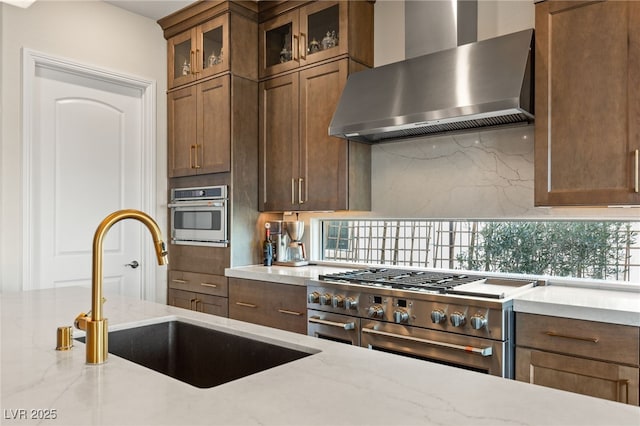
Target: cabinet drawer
589, 339
215, 285
214, 305
585, 376
275, 305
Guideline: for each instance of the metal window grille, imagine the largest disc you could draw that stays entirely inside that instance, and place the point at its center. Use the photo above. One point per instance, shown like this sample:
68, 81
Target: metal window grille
584, 249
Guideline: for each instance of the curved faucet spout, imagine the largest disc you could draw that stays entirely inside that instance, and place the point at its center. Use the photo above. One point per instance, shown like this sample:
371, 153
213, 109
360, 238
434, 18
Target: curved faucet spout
96, 326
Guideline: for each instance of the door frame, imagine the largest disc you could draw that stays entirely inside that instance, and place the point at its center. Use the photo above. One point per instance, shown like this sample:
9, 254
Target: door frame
31, 61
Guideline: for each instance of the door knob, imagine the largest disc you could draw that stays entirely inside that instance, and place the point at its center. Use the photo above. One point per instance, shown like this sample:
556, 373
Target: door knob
134, 264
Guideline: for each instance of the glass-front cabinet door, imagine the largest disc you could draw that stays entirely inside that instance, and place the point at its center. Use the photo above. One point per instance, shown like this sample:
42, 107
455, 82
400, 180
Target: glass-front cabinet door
279, 44
199, 52
303, 36
323, 31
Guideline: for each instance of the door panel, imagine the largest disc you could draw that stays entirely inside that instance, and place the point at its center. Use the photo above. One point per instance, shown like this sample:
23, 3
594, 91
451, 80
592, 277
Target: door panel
323, 158
279, 143
87, 152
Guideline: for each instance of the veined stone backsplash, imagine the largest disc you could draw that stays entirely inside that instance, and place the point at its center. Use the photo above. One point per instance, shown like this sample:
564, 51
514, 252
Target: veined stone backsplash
478, 174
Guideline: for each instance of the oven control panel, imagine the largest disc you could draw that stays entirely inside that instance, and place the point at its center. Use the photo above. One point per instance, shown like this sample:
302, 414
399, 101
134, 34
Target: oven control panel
453, 317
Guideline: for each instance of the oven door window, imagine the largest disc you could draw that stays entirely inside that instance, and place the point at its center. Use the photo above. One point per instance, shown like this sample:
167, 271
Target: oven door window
201, 220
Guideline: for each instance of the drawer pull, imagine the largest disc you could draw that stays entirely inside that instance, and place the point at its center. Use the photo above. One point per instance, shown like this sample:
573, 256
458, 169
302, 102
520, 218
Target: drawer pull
566, 336
284, 311
246, 305
637, 171
175, 280
209, 285
344, 325
625, 383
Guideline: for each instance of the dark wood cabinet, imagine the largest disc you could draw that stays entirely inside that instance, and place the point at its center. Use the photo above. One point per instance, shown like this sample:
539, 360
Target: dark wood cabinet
198, 292
586, 357
587, 96
271, 304
302, 168
198, 52
199, 134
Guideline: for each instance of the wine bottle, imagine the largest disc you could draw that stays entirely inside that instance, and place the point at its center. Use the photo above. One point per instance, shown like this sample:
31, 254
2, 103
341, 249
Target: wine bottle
267, 249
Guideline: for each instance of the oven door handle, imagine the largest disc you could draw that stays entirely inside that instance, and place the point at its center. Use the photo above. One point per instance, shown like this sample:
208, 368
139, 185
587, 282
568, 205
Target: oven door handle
344, 325
210, 203
482, 351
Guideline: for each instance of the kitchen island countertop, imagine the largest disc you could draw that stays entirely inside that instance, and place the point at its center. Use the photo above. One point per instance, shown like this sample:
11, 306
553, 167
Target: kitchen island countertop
340, 384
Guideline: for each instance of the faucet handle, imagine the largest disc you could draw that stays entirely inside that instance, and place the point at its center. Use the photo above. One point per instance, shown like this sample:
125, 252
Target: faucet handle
81, 321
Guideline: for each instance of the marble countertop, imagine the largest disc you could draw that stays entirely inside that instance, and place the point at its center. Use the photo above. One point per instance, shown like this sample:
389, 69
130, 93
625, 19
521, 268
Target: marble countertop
592, 304
610, 304
295, 275
340, 384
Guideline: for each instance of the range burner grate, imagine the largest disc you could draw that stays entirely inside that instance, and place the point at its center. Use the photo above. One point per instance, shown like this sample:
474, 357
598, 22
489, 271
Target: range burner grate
436, 282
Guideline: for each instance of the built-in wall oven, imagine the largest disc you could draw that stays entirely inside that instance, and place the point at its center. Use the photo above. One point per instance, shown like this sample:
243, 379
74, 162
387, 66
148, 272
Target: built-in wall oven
199, 216
459, 320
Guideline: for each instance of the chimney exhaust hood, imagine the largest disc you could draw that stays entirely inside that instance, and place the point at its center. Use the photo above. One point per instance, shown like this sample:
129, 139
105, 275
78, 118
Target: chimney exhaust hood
482, 84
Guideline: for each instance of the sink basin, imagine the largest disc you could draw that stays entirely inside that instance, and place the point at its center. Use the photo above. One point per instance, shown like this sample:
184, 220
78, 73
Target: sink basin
197, 355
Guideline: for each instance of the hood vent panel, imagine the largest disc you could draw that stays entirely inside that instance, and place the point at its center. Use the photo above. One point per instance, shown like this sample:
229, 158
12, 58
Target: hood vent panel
474, 86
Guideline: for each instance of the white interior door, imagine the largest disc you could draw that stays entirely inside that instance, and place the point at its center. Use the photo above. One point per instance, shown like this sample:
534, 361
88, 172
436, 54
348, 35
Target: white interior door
86, 163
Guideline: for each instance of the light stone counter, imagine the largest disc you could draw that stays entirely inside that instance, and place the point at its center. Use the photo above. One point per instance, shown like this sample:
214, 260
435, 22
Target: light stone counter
592, 304
341, 384
296, 275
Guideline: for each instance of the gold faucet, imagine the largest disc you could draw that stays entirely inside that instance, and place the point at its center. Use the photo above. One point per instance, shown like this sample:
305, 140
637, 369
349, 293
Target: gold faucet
95, 325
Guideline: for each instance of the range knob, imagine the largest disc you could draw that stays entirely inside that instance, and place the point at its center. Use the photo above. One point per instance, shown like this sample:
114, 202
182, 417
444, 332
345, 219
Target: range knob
400, 316
338, 301
438, 316
313, 297
457, 319
325, 299
375, 311
478, 321
350, 303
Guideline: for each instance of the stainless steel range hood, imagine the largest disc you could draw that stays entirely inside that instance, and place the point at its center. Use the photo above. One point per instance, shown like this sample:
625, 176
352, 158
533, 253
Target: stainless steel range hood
477, 85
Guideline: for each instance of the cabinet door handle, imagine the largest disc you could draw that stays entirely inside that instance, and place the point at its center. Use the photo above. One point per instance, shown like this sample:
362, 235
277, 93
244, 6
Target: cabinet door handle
300, 199
175, 280
209, 285
284, 311
293, 191
637, 171
192, 148
199, 65
625, 383
296, 48
246, 305
303, 46
566, 336
193, 304
197, 165
192, 66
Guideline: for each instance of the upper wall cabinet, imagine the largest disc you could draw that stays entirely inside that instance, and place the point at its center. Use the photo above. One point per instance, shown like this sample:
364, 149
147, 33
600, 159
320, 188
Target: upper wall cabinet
199, 52
312, 33
587, 130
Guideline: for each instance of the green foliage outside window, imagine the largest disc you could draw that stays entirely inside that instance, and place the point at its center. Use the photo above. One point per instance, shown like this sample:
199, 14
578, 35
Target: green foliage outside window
576, 249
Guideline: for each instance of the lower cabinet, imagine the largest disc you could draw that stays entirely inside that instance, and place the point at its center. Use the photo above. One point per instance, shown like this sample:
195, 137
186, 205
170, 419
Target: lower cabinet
586, 357
282, 306
199, 292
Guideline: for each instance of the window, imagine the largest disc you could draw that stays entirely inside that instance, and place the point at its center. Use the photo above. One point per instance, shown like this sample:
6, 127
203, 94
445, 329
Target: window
583, 249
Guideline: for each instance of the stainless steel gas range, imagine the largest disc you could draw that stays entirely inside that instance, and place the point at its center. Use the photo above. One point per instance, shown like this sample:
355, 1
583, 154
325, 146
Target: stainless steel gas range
455, 319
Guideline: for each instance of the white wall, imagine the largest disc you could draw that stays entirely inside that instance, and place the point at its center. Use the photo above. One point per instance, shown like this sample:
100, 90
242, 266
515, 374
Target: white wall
88, 32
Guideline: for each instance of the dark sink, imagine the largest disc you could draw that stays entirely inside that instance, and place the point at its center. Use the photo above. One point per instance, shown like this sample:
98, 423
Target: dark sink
197, 355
